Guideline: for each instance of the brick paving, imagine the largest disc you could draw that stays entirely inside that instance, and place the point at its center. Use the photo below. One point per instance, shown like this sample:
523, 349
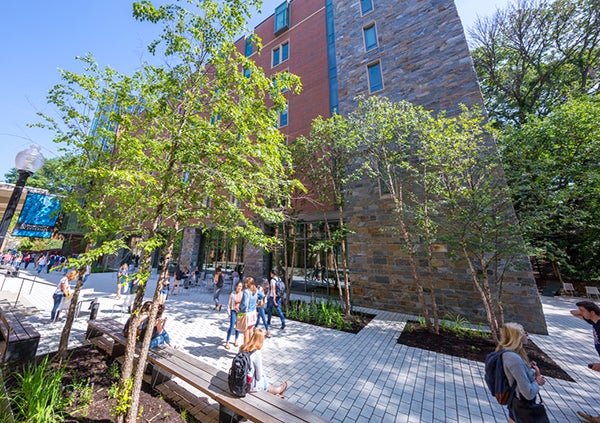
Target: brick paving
364, 377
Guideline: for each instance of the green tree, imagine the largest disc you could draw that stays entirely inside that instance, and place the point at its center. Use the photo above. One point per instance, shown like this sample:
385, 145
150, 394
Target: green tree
474, 206
535, 54
325, 159
192, 143
49, 177
551, 165
393, 138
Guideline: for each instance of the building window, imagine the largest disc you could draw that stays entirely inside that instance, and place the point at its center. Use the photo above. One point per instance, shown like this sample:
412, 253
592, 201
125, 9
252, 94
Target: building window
282, 17
283, 118
375, 77
281, 53
366, 6
247, 73
248, 47
370, 36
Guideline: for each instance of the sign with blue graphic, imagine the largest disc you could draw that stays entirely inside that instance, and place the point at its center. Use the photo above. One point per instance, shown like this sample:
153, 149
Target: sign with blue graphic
38, 216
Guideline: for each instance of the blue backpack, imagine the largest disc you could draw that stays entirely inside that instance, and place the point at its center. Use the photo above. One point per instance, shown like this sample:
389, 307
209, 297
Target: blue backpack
496, 379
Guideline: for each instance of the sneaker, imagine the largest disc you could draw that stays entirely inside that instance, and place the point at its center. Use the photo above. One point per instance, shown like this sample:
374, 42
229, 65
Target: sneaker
282, 327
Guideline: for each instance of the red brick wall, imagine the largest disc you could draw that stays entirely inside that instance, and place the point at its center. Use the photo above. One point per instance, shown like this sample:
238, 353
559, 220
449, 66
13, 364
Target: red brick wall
307, 39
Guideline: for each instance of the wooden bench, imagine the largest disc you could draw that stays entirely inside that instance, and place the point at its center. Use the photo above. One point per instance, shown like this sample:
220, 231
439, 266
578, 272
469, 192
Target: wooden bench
19, 339
167, 362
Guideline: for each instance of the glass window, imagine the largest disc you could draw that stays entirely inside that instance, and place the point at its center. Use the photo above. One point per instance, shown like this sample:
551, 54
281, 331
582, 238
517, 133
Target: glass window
370, 35
366, 6
285, 51
283, 118
282, 17
375, 77
248, 49
281, 54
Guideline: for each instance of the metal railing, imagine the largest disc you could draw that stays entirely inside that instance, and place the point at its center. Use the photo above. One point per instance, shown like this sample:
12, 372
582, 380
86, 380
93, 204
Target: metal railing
5, 275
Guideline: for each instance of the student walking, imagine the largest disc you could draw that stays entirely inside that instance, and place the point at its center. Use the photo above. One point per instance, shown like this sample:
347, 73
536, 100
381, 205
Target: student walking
233, 306
247, 315
274, 299
521, 373
218, 281
261, 303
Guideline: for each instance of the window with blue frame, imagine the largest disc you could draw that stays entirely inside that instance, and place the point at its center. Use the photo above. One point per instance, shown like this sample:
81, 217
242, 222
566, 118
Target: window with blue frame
248, 48
281, 53
375, 77
366, 6
370, 36
282, 17
283, 118
285, 51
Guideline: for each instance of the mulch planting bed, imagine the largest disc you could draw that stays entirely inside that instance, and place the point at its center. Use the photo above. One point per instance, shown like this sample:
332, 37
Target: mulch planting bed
472, 347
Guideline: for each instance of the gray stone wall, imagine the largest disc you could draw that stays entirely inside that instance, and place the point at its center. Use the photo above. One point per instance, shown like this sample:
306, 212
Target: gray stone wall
425, 60
190, 244
422, 50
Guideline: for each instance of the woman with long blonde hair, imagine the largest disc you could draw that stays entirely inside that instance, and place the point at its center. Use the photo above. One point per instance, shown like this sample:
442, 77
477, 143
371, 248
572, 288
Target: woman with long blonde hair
519, 369
259, 379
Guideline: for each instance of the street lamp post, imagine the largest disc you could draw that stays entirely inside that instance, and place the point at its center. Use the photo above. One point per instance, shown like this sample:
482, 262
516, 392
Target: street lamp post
28, 162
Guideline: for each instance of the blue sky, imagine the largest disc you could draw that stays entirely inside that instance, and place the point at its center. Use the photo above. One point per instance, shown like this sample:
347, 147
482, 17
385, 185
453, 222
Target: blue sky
38, 37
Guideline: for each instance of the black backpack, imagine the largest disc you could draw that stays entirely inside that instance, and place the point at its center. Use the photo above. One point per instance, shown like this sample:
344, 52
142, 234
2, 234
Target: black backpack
496, 379
238, 375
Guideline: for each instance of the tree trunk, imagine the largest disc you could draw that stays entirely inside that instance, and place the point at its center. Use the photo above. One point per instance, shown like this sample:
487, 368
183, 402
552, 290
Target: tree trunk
434, 307
63, 344
142, 359
413, 261
484, 292
346, 300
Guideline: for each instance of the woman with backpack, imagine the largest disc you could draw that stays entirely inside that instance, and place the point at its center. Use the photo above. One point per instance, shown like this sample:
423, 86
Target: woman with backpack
259, 380
524, 374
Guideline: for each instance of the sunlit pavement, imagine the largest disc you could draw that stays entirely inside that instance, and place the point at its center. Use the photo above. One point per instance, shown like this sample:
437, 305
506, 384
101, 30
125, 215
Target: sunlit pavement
366, 377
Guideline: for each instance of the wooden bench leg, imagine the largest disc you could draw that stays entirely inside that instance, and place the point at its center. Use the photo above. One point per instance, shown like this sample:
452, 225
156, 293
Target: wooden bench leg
229, 416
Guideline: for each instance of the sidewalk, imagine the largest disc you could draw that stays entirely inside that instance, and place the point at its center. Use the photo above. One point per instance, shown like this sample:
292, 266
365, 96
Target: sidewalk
366, 377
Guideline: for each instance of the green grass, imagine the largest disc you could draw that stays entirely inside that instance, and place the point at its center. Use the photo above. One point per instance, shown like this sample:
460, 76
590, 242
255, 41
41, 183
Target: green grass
37, 395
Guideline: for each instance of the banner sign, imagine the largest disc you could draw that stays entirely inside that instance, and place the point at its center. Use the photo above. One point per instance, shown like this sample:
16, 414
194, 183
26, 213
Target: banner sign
38, 216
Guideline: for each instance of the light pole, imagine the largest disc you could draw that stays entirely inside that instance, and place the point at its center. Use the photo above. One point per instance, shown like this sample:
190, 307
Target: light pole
27, 162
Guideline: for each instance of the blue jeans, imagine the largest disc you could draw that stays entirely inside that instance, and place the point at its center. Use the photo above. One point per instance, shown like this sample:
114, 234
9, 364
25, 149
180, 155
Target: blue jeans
232, 329
57, 299
270, 306
160, 338
262, 316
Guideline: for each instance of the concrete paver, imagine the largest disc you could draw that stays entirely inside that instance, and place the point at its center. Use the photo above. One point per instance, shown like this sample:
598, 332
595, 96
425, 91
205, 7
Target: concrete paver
364, 377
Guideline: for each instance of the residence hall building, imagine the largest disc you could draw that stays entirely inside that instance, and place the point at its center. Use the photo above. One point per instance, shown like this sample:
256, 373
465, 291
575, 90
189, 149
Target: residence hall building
413, 50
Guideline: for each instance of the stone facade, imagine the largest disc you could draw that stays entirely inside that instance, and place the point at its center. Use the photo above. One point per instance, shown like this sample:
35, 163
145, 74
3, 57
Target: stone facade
190, 246
425, 60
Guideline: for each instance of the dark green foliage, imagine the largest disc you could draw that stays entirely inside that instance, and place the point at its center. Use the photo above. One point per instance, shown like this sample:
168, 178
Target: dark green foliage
327, 314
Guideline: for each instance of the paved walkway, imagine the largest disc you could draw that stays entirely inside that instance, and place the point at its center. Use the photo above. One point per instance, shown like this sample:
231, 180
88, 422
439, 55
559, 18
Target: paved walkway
366, 377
